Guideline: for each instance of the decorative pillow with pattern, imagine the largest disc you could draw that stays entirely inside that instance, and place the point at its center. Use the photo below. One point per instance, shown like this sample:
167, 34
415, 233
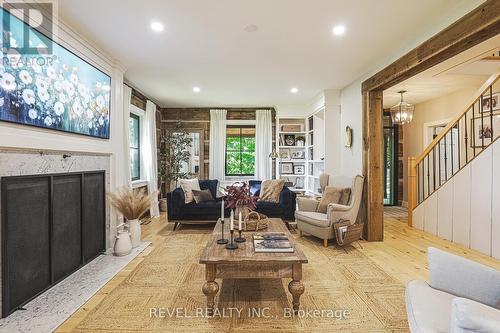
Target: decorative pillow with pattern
271, 189
333, 195
202, 196
188, 185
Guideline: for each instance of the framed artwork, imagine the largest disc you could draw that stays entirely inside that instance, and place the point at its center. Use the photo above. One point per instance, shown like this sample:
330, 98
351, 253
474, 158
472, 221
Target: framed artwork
348, 137
299, 155
285, 154
286, 168
289, 140
58, 91
299, 169
487, 131
490, 104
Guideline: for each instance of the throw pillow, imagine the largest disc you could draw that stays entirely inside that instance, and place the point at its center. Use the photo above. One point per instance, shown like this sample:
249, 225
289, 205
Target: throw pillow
333, 195
202, 196
188, 185
271, 190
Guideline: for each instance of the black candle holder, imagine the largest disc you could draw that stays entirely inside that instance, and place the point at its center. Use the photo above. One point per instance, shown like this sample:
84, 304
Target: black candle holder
240, 238
222, 240
232, 245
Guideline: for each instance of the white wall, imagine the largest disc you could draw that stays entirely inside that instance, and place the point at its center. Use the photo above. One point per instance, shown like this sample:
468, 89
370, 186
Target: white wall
333, 138
465, 209
351, 162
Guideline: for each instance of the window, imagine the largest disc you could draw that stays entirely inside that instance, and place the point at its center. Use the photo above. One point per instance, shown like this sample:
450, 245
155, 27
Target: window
135, 147
240, 150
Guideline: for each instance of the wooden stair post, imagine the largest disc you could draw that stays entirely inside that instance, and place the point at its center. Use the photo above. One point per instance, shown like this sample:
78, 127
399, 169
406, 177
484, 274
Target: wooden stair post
412, 188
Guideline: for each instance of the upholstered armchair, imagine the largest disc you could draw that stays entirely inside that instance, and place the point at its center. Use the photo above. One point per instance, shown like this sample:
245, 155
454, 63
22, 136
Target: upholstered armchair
461, 296
321, 225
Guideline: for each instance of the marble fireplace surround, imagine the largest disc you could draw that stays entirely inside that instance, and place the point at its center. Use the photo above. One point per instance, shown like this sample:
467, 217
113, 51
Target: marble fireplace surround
18, 162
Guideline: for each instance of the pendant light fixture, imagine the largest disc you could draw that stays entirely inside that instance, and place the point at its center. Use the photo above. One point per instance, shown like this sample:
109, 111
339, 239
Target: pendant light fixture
402, 113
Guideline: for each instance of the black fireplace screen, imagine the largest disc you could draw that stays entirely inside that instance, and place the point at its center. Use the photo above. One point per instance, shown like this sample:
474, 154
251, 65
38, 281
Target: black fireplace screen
51, 226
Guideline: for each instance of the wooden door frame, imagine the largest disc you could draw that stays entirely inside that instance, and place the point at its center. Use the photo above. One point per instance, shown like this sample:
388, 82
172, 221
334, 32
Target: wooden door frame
474, 28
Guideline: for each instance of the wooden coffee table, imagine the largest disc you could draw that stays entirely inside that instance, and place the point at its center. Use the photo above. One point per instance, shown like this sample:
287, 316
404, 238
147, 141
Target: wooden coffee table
244, 263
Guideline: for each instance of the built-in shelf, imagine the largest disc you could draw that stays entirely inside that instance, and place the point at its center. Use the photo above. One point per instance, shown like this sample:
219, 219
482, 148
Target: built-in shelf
293, 147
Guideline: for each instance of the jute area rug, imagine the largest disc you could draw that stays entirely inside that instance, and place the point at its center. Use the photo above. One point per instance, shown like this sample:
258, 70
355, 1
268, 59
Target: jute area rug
163, 294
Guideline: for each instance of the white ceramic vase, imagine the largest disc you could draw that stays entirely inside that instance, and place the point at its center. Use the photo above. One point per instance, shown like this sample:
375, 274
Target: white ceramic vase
134, 228
123, 244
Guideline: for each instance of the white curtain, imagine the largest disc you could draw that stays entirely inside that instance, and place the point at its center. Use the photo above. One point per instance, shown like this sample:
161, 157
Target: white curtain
263, 144
127, 98
149, 156
217, 157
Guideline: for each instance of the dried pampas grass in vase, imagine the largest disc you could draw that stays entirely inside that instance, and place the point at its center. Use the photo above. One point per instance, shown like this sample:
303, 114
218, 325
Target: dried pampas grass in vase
132, 204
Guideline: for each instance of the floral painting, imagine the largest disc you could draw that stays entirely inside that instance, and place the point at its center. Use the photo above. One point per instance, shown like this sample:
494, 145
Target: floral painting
58, 91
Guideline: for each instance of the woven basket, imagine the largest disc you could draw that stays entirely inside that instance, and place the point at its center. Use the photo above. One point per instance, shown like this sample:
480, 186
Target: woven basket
255, 221
352, 234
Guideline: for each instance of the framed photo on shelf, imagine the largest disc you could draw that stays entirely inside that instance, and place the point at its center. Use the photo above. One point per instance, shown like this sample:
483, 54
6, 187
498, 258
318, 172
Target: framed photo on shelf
485, 132
490, 104
286, 168
299, 169
289, 140
285, 154
299, 155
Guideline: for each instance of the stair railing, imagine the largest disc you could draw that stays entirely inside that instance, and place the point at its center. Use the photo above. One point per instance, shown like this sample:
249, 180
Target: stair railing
464, 138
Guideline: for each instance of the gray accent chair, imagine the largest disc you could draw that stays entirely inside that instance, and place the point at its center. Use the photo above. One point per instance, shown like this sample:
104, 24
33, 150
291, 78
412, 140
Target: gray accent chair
321, 225
462, 296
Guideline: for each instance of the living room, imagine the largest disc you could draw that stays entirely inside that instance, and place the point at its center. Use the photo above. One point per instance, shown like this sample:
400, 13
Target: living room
214, 166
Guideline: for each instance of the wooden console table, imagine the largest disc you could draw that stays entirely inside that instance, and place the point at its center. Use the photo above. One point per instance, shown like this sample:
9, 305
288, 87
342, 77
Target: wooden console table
245, 263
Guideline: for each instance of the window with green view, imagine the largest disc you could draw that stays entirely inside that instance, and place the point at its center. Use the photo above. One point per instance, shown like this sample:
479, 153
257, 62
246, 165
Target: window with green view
135, 148
240, 150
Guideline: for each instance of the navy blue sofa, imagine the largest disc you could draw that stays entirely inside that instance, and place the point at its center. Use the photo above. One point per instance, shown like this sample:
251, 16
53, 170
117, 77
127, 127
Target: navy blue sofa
178, 211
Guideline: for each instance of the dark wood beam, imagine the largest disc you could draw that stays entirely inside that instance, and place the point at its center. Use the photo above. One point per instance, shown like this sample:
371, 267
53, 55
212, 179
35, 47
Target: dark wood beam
477, 26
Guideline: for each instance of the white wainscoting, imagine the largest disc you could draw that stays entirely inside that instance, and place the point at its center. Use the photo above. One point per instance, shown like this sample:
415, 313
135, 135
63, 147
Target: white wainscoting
466, 210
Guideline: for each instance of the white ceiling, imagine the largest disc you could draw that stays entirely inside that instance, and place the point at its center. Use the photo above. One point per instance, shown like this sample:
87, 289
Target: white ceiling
204, 44
464, 71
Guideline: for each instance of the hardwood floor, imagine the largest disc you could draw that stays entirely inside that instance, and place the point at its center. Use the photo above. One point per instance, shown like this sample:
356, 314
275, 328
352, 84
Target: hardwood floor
401, 256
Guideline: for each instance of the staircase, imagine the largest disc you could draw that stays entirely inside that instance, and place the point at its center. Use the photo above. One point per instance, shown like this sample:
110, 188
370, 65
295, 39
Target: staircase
453, 191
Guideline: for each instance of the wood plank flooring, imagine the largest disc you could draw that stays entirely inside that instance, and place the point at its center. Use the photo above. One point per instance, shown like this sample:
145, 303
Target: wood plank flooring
402, 256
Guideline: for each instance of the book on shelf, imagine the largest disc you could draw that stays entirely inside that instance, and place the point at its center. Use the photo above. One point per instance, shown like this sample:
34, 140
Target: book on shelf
272, 242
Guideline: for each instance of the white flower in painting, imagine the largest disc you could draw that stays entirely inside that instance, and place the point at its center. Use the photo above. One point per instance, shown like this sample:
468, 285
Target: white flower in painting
74, 79
41, 84
51, 72
77, 108
70, 89
58, 85
58, 108
90, 114
8, 82
90, 125
29, 96
65, 67
48, 121
62, 98
98, 85
2, 101
32, 114
43, 95
14, 59
13, 42
82, 90
101, 121
36, 67
25, 77
100, 101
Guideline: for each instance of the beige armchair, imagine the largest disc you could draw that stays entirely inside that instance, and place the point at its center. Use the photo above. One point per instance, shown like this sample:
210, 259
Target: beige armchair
321, 225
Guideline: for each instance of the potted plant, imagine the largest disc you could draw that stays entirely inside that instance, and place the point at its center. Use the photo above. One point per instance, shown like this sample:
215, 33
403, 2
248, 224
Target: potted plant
132, 204
174, 152
239, 198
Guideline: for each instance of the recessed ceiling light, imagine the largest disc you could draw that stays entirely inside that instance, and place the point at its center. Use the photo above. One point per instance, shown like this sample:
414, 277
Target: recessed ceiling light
294, 90
157, 26
338, 30
196, 89
251, 28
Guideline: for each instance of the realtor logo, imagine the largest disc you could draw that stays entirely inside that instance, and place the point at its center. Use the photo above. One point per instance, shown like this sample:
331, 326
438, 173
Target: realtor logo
27, 27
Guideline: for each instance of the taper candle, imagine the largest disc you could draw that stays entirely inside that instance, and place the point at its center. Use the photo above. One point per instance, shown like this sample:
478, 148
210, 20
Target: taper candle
232, 220
222, 210
239, 220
